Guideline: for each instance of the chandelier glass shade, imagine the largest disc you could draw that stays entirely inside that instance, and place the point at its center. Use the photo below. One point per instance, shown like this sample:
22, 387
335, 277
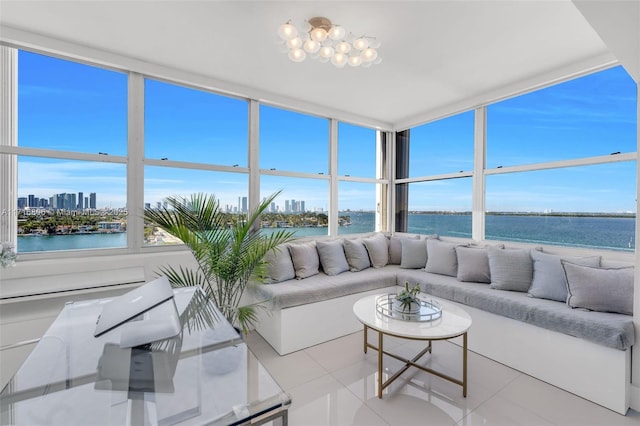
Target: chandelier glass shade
326, 42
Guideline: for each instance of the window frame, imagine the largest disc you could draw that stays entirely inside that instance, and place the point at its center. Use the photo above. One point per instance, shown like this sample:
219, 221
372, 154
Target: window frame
480, 171
135, 152
135, 160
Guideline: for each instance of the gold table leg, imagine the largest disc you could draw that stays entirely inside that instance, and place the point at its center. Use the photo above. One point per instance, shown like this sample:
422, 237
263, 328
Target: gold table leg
380, 354
413, 363
365, 339
464, 365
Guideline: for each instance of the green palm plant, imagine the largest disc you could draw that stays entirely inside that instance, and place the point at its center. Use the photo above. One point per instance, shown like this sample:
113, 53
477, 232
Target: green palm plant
230, 254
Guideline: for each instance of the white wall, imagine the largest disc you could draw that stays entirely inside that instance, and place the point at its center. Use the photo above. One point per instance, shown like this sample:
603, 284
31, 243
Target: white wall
617, 22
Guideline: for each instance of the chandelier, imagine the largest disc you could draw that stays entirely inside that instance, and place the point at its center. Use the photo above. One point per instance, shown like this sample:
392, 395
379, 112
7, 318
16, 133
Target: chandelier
322, 40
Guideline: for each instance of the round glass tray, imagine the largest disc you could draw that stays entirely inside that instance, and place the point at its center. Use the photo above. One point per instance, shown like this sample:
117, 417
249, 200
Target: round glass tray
428, 310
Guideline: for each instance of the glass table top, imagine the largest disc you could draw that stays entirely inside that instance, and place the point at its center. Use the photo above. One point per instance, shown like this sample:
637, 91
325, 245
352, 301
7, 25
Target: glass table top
205, 374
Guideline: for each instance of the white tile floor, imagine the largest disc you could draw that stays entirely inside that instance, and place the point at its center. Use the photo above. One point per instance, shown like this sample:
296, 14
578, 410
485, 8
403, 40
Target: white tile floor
334, 384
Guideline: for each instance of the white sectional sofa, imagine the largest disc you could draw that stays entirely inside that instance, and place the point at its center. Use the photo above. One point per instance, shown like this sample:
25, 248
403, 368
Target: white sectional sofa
564, 320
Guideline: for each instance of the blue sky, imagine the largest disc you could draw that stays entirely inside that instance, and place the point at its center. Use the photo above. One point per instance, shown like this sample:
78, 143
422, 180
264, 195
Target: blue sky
73, 107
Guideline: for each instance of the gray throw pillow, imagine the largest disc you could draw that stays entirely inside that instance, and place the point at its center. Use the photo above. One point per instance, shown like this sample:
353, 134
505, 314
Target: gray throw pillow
414, 254
332, 257
473, 264
305, 259
279, 265
511, 268
395, 248
441, 258
378, 249
600, 289
357, 255
549, 279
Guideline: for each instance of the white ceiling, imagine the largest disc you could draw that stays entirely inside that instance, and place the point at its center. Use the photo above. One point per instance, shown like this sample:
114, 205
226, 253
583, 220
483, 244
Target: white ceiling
438, 57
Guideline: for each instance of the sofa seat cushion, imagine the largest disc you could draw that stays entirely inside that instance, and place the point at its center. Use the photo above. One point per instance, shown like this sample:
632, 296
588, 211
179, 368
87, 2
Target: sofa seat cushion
611, 330
323, 287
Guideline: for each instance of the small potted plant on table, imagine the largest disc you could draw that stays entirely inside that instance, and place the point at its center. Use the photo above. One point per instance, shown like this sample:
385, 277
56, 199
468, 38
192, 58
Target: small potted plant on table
407, 300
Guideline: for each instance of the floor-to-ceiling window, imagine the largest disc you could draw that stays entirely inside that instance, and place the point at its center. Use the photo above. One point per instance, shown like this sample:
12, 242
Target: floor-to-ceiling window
95, 146
357, 171
72, 147
561, 164
565, 153
294, 159
439, 176
195, 141
560, 167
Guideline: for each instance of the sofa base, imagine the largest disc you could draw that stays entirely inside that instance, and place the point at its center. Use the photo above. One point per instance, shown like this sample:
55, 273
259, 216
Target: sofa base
594, 372
299, 327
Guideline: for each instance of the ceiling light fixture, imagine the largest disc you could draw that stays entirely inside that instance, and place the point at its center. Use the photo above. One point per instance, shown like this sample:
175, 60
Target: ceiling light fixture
322, 40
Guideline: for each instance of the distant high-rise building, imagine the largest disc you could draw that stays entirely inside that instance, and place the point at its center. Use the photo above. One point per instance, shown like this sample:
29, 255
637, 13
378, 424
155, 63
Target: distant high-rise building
57, 201
273, 207
302, 208
92, 200
158, 205
23, 202
294, 206
70, 202
32, 200
244, 205
287, 206
147, 205
80, 206
86, 203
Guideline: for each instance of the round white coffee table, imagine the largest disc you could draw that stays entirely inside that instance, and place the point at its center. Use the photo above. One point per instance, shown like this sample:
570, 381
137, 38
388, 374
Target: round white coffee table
453, 322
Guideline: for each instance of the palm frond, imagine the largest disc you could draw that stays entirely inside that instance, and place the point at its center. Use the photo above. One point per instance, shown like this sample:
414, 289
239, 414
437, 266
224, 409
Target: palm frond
183, 277
199, 313
229, 255
247, 317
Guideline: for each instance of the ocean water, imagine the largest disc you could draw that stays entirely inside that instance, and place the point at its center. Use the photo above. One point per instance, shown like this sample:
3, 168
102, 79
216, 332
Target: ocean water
32, 243
613, 233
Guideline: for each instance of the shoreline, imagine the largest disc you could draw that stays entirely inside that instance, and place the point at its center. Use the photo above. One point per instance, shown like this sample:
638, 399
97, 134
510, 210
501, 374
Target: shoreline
609, 232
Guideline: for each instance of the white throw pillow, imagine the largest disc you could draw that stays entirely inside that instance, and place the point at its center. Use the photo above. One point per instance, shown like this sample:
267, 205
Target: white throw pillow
549, 279
378, 249
279, 265
511, 268
332, 257
441, 258
305, 259
600, 289
357, 255
414, 254
473, 264
395, 248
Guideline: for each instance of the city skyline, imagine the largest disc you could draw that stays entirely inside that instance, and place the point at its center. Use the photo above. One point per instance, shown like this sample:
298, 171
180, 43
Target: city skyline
60, 201
290, 206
